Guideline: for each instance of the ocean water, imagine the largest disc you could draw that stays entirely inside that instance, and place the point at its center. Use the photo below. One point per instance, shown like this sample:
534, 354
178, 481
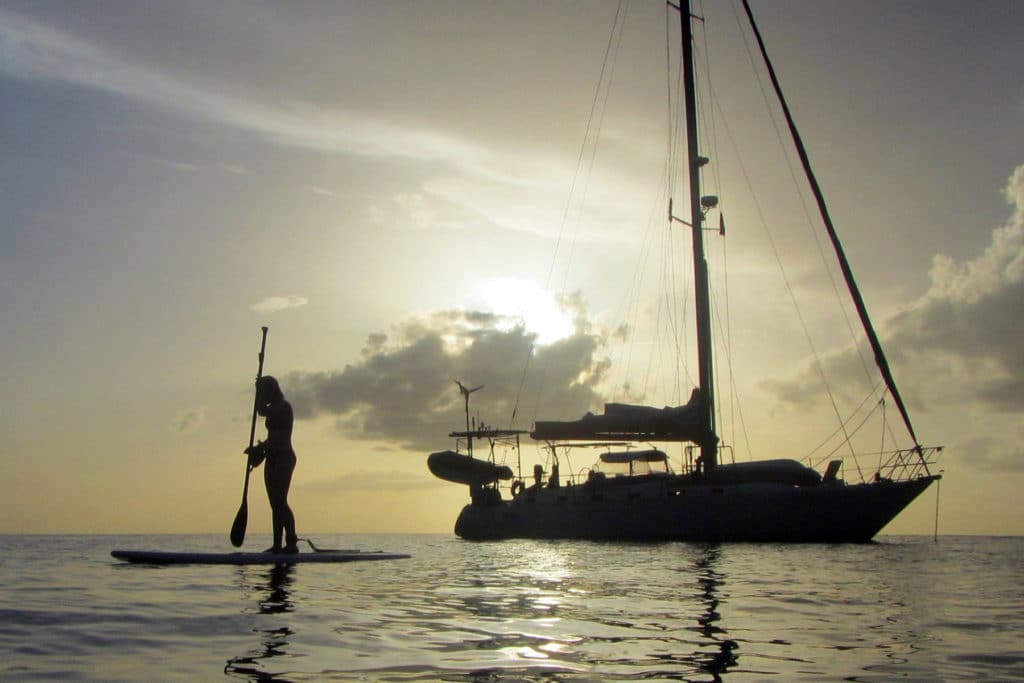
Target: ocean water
903, 608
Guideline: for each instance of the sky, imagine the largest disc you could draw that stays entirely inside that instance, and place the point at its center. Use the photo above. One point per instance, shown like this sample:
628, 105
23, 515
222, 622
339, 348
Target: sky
407, 194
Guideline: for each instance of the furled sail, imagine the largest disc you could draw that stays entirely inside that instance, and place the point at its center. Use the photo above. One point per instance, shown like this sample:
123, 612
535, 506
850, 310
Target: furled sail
624, 422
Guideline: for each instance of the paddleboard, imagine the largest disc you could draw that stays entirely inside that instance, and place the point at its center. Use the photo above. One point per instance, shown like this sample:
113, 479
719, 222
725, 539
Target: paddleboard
163, 557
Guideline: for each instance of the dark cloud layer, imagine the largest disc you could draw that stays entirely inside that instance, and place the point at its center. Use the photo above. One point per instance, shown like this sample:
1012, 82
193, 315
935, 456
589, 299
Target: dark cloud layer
973, 316
403, 389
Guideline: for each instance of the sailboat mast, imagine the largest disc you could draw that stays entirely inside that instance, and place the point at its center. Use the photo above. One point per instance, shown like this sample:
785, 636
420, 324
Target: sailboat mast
709, 446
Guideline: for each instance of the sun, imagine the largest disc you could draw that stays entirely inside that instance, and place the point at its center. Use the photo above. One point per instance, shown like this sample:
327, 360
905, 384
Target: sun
526, 302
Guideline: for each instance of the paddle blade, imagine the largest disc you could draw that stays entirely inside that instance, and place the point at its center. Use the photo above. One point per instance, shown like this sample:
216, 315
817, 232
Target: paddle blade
238, 528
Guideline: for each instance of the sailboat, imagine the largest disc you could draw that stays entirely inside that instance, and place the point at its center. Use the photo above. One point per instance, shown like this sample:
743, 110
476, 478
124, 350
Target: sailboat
633, 493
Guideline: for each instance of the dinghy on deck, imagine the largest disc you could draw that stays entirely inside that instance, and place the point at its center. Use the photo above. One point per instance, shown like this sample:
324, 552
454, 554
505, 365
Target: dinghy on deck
465, 469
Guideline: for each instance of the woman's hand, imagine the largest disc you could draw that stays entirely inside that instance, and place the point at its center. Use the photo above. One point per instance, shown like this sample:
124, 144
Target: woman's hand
257, 453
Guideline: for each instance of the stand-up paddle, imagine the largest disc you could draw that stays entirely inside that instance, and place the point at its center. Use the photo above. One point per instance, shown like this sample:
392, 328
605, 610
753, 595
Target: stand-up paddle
242, 518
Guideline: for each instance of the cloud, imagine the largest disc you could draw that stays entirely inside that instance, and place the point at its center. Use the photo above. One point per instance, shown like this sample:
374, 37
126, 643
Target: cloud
958, 343
511, 186
175, 165
233, 168
274, 304
33, 51
402, 388
995, 454
972, 318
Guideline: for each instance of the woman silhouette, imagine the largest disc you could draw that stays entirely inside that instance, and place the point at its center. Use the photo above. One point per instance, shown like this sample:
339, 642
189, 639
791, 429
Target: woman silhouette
280, 460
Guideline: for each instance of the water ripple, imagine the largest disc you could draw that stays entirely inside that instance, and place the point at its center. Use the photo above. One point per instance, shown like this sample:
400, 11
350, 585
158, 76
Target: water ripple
519, 611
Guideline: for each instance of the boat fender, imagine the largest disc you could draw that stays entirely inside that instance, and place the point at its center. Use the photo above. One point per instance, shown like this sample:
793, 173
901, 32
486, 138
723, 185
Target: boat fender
517, 488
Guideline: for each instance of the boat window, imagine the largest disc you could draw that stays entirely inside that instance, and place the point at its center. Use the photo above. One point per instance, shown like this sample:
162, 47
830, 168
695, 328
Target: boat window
634, 468
613, 469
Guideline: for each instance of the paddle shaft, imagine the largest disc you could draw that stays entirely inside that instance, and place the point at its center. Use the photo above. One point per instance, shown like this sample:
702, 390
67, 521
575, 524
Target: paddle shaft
256, 396
242, 518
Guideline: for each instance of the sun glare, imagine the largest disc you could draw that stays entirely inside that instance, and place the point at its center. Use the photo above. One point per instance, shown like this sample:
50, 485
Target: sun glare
524, 301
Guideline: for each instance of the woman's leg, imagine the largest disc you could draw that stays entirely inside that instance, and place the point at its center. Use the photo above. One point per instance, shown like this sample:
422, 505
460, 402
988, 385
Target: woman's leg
278, 478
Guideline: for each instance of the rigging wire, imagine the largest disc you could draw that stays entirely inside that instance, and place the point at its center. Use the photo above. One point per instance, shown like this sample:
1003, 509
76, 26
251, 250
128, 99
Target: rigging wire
869, 330
619, 14
670, 312
811, 453
787, 283
853, 433
597, 137
648, 245
671, 308
611, 63
630, 308
673, 315
802, 194
724, 320
735, 404
881, 448
816, 237
786, 280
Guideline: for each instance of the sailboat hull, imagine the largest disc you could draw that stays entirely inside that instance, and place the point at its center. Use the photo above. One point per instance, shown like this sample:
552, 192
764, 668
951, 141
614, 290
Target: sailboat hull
664, 509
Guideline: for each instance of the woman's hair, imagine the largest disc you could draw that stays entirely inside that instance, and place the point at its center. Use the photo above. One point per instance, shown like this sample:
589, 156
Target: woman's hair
269, 389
